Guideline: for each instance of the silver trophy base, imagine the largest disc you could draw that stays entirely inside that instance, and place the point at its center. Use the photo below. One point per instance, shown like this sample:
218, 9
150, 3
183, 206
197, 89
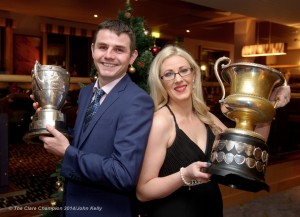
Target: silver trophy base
39, 122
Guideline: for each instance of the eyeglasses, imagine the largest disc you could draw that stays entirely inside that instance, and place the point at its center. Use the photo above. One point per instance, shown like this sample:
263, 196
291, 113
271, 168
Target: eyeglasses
170, 75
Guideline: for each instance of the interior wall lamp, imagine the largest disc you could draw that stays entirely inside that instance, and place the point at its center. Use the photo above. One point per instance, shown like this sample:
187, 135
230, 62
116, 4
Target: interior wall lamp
269, 49
155, 34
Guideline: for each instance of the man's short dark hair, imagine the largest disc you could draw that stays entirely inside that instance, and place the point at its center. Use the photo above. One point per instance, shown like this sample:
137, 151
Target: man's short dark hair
119, 27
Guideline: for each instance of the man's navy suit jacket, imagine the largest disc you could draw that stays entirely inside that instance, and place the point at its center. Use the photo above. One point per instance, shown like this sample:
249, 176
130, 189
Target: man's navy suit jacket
102, 164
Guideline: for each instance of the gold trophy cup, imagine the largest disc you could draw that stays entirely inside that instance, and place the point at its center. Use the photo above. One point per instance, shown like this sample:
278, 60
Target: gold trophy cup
240, 156
50, 86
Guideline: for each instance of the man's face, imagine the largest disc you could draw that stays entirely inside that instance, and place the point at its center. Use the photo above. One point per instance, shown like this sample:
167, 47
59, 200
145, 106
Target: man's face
111, 54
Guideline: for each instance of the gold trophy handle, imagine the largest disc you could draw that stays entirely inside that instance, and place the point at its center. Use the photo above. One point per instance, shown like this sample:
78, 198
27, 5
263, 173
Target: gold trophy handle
218, 76
275, 104
277, 100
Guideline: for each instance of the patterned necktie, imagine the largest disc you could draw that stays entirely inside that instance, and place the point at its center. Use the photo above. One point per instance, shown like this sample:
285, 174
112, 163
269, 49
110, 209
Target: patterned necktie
93, 106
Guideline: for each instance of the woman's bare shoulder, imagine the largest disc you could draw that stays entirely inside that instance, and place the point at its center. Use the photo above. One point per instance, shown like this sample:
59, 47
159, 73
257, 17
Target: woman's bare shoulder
162, 118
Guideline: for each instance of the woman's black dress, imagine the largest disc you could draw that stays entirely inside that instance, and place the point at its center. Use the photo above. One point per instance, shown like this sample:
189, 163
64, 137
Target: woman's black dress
202, 200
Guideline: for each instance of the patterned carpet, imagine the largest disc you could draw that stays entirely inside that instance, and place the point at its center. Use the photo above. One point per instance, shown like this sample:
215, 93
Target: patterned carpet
281, 204
30, 167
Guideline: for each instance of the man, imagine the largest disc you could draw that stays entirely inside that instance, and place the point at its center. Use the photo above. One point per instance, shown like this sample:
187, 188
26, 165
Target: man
102, 165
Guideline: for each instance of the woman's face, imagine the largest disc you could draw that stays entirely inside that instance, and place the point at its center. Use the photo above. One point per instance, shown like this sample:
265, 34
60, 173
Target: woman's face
180, 88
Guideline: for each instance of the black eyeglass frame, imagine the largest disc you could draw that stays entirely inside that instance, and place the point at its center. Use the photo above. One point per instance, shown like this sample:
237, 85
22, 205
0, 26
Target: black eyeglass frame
190, 69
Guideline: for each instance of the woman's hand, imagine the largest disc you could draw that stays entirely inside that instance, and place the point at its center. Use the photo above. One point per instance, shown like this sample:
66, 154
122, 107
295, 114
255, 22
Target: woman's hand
194, 172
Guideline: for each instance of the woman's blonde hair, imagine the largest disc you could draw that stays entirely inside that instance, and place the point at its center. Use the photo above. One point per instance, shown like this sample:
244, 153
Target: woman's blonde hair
159, 94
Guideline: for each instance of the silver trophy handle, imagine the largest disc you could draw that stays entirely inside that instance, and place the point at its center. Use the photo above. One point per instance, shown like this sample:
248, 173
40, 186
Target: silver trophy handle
36, 75
218, 76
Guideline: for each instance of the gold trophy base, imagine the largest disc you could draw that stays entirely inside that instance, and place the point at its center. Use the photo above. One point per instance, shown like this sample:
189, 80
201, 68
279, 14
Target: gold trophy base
239, 161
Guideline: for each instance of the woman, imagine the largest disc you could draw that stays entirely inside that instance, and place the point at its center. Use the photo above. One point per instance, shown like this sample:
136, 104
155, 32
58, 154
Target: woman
180, 141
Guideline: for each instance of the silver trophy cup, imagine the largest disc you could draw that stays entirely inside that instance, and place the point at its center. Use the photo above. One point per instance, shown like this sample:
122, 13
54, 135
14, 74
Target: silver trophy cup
50, 86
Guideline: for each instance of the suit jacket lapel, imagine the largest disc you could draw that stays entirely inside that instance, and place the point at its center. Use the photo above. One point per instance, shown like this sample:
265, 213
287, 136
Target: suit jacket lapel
85, 101
108, 101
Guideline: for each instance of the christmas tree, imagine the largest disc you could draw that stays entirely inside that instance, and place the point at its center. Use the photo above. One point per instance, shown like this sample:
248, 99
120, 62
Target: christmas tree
138, 71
